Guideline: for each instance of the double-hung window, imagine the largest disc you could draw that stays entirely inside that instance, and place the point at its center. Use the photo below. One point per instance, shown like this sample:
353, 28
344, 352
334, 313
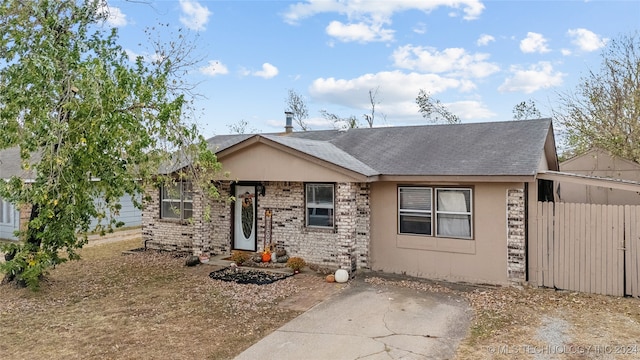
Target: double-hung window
319, 205
176, 201
451, 209
453, 213
415, 210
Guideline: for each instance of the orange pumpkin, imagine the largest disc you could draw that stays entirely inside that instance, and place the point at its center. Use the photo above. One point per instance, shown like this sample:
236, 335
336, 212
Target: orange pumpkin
266, 257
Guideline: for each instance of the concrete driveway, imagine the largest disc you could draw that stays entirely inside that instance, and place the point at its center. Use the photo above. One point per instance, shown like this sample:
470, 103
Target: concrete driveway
371, 322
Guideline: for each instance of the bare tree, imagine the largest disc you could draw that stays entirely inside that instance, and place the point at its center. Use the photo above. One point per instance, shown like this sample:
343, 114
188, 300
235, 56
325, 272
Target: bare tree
526, 110
241, 127
433, 110
604, 110
296, 104
369, 118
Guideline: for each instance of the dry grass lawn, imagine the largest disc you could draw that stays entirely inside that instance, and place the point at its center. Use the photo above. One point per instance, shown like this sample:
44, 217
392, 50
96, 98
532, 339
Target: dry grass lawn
143, 306
150, 306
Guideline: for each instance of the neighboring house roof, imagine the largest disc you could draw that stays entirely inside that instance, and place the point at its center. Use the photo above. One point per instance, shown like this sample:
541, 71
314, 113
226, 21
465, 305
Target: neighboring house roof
590, 161
11, 164
510, 148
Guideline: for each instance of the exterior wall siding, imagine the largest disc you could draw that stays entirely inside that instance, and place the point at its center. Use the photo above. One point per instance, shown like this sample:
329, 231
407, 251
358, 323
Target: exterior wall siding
482, 259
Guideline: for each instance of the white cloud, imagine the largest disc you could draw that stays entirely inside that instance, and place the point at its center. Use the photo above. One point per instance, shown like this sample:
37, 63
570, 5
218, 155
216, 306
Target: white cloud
534, 42
484, 40
396, 90
360, 32
536, 77
268, 71
378, 9
586, 40
214, 68
114, 16
420, 28
455, 61
195, 16
470, 110
367, 18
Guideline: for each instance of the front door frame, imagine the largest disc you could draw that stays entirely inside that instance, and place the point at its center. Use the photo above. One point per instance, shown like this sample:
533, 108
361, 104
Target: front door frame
234, 217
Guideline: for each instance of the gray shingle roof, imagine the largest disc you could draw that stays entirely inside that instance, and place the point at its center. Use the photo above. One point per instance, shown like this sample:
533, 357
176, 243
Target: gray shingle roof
324, 150
511, 148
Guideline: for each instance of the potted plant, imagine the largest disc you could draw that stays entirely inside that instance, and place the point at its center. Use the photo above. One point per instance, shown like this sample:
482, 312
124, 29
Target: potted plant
296, 263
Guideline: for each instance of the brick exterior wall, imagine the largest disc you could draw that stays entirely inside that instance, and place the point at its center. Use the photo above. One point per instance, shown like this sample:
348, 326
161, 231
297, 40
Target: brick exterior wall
363, 226
25, 215
165, 234
516, 255
345, 246
221, 221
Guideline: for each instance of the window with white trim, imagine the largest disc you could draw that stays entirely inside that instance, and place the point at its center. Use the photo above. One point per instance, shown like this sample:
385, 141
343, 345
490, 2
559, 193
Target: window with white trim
176, 201
451, 209
319, 205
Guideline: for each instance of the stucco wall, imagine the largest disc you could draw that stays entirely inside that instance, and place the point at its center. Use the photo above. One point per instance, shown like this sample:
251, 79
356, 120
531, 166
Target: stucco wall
481, 260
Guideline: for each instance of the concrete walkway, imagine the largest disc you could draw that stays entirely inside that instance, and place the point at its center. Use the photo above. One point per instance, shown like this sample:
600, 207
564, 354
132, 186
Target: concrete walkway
367, 322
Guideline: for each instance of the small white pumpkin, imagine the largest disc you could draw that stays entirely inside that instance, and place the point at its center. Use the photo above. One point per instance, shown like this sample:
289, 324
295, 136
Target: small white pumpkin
342, 276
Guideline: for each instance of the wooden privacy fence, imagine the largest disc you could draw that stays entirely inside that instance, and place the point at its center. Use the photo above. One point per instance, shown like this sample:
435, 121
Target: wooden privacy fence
589, 248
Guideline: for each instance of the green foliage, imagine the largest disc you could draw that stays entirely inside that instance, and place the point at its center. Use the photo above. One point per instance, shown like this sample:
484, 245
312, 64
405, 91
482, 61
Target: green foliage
89, 123
604, 110
433, 110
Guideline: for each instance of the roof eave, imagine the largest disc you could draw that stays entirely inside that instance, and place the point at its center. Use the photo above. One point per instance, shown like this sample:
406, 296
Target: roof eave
458, 178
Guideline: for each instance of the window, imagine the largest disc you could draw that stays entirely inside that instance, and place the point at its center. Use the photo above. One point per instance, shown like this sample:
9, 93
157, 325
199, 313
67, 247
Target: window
452, 211
176, 201
415, 210
319, 205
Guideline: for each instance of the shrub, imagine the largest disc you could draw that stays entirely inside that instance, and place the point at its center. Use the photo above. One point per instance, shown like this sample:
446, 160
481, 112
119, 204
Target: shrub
239, 257
296, 263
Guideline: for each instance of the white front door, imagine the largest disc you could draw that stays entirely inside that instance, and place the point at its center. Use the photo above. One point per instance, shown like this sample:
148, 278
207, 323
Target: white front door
8, 220
244, 224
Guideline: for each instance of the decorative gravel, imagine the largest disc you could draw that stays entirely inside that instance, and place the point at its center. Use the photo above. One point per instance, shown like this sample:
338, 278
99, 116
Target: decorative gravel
242, 276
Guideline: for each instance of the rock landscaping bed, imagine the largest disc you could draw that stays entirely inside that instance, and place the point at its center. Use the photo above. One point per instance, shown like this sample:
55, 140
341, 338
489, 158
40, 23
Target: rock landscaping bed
245, 276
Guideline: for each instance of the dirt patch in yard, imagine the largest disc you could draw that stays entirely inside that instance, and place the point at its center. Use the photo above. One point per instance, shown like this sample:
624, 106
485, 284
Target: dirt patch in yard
140, 306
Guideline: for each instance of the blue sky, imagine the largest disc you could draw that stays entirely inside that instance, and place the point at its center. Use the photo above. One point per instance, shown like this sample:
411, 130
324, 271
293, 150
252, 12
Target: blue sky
479, 58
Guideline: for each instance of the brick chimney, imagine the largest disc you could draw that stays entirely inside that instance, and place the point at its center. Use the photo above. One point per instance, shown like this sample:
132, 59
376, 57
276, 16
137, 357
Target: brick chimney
288, 128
